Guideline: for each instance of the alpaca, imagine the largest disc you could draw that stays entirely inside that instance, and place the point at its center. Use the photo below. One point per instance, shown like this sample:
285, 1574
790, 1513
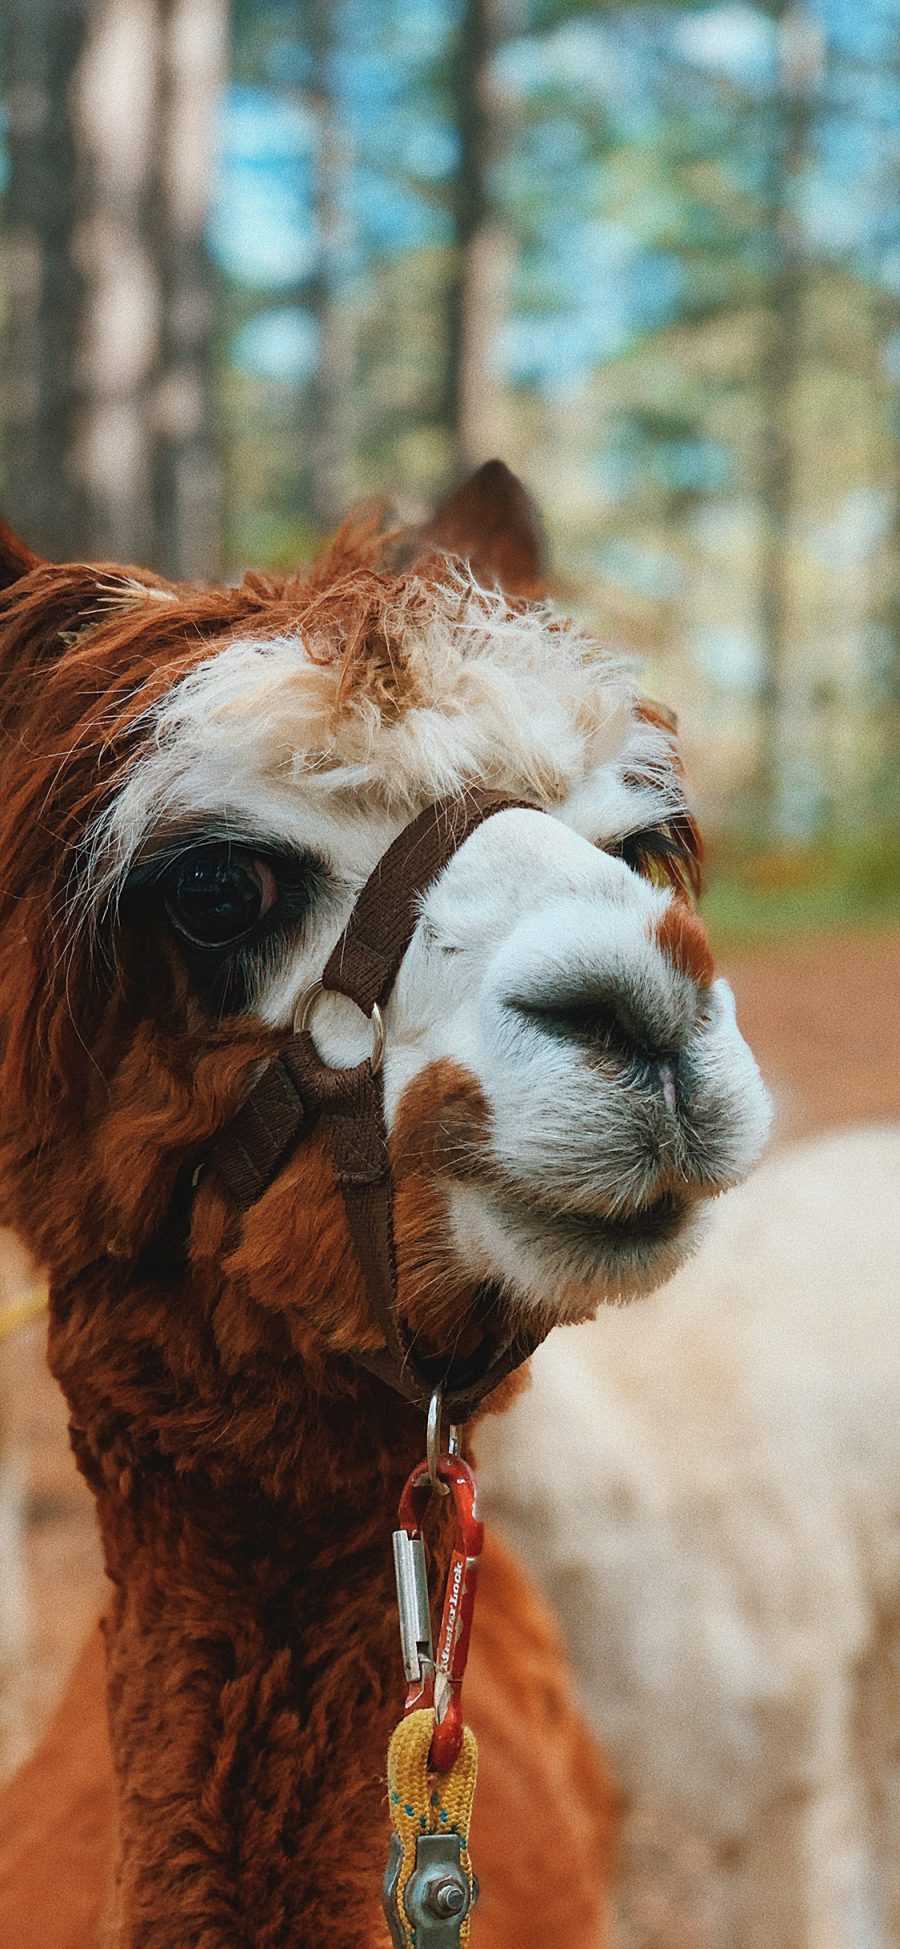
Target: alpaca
729, 1579
198, 783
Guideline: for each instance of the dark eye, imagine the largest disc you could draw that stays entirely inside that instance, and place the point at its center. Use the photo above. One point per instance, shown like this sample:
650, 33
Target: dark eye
216, 895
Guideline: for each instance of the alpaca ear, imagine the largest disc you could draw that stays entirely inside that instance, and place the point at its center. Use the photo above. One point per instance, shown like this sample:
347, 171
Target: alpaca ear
493, 524
15, 559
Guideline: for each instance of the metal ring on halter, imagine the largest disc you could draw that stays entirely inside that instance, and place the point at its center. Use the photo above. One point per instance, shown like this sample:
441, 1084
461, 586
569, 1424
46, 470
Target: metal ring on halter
303, 1015
433, 1449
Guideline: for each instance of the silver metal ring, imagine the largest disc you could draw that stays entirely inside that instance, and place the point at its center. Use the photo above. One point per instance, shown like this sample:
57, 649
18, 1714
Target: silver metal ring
305, 1009
433, 1440
433, 1449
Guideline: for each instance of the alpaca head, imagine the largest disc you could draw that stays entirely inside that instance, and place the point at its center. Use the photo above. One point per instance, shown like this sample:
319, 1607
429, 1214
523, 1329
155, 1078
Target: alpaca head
197, 783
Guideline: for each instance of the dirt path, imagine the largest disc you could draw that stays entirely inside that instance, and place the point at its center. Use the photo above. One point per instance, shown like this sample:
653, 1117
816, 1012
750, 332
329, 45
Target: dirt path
823, 1019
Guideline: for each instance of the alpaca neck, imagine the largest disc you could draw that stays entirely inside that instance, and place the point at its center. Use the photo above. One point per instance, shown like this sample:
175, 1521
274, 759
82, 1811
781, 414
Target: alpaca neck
254, 1679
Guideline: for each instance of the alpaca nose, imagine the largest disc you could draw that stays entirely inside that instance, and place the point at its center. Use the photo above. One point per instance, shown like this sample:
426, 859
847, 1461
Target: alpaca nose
622, 1025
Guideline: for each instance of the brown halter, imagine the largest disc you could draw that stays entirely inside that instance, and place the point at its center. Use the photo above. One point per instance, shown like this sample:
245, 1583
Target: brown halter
297, 1088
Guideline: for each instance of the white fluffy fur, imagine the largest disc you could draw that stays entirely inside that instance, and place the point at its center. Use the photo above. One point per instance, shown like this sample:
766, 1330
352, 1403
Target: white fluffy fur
255, 741
709, 1489
512, 702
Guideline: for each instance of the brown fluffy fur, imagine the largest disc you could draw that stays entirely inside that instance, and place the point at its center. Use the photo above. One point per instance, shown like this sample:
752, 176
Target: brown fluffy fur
683, 939
245, 1475
535, 1757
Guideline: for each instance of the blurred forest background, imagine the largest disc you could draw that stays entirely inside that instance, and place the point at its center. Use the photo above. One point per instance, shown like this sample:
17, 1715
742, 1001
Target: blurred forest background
263, 259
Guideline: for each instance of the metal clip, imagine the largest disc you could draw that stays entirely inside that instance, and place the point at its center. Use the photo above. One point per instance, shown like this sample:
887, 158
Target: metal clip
437, 1895
415, 1619
438, 1681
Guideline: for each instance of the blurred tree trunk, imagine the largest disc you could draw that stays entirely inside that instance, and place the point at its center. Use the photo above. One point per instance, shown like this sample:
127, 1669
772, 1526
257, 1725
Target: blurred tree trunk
43, 42
468, 300
118, 120
781, 354
186, 471
332, 391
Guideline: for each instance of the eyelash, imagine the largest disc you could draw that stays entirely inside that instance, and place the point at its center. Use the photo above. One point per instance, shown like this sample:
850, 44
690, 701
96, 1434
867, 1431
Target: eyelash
668, 854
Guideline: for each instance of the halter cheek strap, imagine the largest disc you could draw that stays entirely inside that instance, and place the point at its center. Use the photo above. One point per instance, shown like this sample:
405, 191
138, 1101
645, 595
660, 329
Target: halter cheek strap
297, 1088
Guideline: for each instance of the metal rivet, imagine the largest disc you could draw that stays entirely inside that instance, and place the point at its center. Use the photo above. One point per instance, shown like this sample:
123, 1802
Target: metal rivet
447, 1898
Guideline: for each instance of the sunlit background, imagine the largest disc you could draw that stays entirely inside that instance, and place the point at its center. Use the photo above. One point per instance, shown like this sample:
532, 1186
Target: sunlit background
264, 260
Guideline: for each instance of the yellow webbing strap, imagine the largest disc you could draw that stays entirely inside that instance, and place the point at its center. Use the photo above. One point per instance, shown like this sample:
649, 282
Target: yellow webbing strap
429, 1803
19, 1312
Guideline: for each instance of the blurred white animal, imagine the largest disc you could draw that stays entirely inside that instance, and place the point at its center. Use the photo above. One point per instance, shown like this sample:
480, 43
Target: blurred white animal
708, 1486
13, 1603
20, 1351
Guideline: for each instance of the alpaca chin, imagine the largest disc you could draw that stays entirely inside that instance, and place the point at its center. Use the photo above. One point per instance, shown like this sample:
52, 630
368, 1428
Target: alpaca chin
548, 1270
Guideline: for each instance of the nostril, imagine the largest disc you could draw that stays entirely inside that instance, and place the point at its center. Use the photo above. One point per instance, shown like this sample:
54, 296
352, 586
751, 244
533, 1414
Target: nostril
592, 1022
597, 1022
607, 1025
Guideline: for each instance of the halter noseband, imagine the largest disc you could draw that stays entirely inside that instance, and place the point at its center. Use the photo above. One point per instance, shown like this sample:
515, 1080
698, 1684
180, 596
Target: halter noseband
297, 1087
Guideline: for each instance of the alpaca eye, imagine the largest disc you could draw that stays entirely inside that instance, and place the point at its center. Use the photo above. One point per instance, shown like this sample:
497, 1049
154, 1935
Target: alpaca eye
668, 854
215, 896
642, 851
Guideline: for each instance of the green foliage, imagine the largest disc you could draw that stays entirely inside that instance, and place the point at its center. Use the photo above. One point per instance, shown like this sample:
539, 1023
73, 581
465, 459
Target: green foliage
852, 881
691, 353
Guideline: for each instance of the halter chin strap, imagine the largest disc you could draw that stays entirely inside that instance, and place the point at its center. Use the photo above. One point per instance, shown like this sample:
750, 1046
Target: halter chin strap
297, 1087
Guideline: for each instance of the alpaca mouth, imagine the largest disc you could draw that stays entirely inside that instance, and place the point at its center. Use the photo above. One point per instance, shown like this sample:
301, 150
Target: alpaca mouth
564, 1263
657, 1222
661, 1219
610, 1255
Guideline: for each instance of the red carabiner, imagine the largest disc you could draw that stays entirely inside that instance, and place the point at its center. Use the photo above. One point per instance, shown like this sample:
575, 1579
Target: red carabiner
437, 1681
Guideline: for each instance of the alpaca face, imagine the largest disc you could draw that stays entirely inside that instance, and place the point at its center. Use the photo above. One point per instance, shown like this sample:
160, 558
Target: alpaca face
615, 1094
600, 1090
216, 777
